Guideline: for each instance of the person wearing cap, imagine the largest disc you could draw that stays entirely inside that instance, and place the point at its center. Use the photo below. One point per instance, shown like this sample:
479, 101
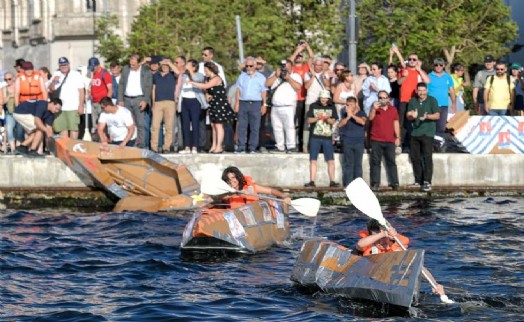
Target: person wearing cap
518, 73
480, 82
321, 117
37, 121
72, 93
302, 68
384, 136
29, 87
499, 92
134, 92
424, 113
101, 86
441, 87
283, 106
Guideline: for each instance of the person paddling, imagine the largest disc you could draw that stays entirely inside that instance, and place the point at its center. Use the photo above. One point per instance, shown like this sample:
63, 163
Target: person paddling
236, 180
377, 240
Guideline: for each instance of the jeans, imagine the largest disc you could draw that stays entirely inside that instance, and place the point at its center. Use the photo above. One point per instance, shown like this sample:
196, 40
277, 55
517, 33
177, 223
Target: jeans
442, 121
421, 155
352, 167
388, 150
191, 122
9, 127
498, 112
249, 116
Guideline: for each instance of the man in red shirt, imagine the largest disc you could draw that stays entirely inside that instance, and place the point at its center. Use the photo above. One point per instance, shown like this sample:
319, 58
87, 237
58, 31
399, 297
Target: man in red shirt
101, 86
408, 79
384, 137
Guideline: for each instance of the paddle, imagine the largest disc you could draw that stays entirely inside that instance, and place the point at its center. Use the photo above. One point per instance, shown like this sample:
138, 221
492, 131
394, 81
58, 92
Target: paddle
365, 200
213, 186
87, 130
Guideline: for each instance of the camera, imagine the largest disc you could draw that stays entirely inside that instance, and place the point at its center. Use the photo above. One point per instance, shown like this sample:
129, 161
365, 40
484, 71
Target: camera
301, 42
382, 104
283, 69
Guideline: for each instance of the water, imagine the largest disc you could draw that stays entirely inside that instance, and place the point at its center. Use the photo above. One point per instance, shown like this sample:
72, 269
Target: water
127, 267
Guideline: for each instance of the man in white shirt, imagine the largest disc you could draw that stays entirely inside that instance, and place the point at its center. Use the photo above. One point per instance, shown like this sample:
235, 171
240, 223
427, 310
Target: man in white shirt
285, 85
72, 95
119, 122
207, 56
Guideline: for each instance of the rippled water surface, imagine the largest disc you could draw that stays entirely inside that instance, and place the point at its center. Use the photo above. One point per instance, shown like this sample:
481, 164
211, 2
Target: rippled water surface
64, 266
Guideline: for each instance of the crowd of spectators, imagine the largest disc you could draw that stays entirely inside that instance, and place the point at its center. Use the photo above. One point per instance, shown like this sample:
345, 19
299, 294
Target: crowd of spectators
308, 104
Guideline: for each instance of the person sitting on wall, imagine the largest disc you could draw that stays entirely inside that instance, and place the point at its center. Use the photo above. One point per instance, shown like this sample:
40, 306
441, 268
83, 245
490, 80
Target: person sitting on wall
378, 240
236, 180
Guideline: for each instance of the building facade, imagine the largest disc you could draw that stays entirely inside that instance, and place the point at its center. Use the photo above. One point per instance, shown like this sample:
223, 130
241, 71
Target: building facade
41, 31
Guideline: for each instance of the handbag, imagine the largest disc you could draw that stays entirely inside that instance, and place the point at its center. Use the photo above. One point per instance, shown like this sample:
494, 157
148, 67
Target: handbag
56, 93
270, 93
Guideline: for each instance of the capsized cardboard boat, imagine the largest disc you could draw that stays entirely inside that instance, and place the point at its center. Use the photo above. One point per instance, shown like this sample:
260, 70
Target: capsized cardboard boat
488, 134
392, 278
142, 179
248, 229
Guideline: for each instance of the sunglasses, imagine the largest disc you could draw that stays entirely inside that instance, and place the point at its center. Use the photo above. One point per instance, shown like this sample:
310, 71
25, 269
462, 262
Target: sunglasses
501, 69
413, 59
250, 66
383, 97
8, 79
205, 55
339, 69
438, 65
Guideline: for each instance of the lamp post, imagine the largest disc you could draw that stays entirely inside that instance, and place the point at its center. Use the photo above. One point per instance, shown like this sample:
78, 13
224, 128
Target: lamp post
91, 5
352, 41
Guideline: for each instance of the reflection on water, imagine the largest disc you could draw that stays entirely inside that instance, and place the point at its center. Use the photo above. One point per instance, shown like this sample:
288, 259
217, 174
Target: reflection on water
127, 266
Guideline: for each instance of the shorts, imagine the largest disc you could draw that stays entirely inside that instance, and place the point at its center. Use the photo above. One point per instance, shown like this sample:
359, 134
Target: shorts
519, 103
66, 121
27, 121
326, 145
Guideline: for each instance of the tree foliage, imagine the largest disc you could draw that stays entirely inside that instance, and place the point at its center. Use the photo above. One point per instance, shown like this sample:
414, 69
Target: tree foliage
110, 46
270, 28
457, 30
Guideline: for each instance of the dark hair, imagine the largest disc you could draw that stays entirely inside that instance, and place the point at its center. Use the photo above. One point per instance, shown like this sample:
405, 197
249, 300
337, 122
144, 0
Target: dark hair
422, 84
351, 99
456, 66
193, 62
210, 49
136, 56
344, 75
373, 226
240, 177
106, 101
500, 62
46, 71
56, 101
383, 91
183, 58
379, 65
212, 67
114, 64
395, 69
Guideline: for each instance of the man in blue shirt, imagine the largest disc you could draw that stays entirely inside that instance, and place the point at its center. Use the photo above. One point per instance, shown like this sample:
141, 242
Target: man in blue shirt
441, 87
164, 83
250, 104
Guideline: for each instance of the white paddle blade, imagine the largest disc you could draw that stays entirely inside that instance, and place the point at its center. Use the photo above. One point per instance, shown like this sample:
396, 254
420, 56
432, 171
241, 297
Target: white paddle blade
214, 186
445, 299
307, 206
365, 200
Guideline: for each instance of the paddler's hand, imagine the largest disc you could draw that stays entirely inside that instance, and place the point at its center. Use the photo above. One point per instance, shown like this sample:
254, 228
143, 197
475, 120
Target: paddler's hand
439, 290
391, 233
287, 200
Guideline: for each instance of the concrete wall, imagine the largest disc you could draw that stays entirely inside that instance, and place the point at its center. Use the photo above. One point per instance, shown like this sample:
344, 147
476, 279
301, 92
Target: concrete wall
285, 170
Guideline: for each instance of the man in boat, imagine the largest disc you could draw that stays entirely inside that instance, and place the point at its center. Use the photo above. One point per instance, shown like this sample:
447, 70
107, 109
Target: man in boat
236, 180
119, 122
377, 240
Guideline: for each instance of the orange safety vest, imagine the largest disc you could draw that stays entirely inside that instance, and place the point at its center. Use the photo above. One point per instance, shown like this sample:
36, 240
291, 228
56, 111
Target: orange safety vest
240, 200
30, 87
393, 248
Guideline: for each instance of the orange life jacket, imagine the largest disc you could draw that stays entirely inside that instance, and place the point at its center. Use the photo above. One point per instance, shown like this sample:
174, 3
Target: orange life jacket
379, 250
240, 200
30, 88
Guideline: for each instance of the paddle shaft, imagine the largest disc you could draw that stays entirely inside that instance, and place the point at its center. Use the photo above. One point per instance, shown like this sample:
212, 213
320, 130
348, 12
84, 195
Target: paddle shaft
429, 279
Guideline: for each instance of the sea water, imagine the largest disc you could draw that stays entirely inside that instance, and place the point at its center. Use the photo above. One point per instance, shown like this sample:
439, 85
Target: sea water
67, 266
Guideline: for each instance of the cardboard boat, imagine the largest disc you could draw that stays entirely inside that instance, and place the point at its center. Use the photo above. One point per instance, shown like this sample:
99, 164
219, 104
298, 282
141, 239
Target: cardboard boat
248, 229
142, 179
392, 278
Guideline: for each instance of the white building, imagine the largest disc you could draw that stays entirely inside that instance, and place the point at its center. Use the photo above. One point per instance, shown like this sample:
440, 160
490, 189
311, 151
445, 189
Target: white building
41, 31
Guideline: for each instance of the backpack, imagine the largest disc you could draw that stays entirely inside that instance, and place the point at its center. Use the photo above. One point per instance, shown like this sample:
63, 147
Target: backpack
508, 79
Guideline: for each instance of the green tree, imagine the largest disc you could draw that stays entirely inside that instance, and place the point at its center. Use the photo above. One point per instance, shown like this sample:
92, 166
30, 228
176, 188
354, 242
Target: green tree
270, 28
111, 46
457, 30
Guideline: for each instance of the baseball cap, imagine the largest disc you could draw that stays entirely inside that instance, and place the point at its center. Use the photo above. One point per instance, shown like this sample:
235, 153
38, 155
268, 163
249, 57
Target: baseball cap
19, 62
439, 61
93, 61
27, 65
324, 94
489, 59
515, 66
63, 61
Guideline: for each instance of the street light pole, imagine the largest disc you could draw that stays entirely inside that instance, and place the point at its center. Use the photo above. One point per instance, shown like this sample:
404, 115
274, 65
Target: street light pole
352, 43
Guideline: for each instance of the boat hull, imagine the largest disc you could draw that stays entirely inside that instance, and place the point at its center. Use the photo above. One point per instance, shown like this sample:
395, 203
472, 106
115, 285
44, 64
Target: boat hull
248, 229
392, 278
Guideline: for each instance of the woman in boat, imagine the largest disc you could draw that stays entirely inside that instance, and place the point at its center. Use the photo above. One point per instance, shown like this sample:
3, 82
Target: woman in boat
377, 240
236, 180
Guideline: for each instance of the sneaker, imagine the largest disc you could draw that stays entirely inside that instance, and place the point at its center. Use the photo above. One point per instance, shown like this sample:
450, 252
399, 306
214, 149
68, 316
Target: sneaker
414, 185
334, 184
34, 154
21, 150
294, 150
375, 187
194, 151
426, 186
240, 151
310, 184
185, 151
278, 151
263, 150
395, 187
